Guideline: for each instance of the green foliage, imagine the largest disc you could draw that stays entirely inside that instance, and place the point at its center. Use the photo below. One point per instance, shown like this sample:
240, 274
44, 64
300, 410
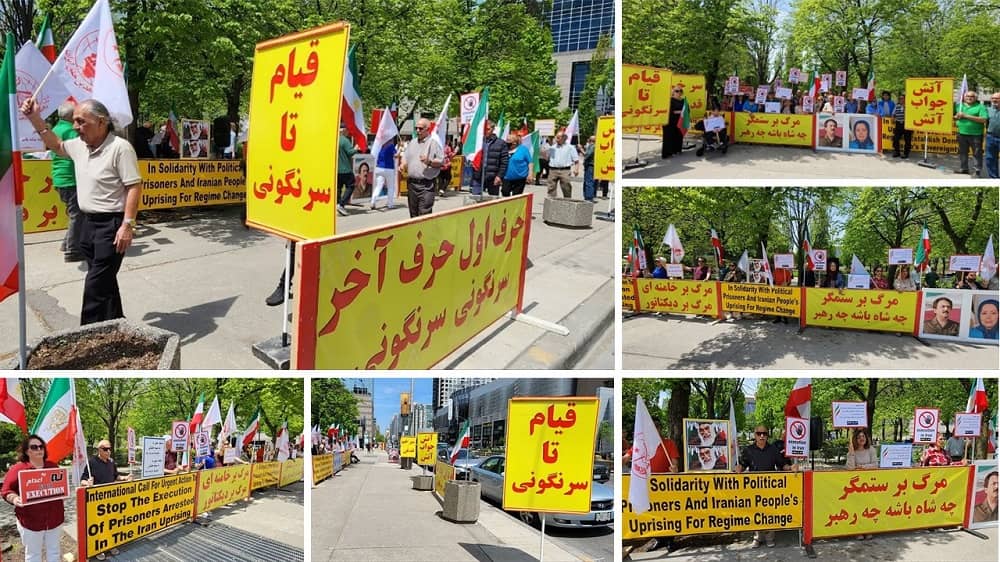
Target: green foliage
333, 403
601, 75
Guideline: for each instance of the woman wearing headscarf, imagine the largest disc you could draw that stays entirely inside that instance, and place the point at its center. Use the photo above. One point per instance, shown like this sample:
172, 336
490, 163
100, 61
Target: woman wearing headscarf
986, 316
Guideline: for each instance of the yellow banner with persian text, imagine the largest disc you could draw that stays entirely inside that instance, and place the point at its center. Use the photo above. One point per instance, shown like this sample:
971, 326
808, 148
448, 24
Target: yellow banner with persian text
405, 295
322, 466
550, 448
646, 96
220, 486
292, 471
853, 502
408, 447
292, 156
929, 105
427, 448
761, 299
689, 504
695, 92
888, 311
604, 149
264, 474
443, 472
773, 128
678, 296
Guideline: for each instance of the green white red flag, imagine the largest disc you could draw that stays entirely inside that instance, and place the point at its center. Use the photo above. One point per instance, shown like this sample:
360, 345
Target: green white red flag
352, 114
871, 85
12, 403
198, 415
462, 443
58, 423
45, 43
252, 428
11, 192
472, 144
923, 257
977, 398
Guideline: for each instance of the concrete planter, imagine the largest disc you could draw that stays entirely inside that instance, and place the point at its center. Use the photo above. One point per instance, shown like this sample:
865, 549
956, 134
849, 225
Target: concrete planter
576, 213
423, 482
167, 342
461, 501
405, 463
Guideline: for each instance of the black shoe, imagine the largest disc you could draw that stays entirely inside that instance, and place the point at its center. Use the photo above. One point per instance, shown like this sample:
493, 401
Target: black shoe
725, 148
776, 320
960, 171
906, 155
277, 297
700, 151
895, 155
72, 257
62, 246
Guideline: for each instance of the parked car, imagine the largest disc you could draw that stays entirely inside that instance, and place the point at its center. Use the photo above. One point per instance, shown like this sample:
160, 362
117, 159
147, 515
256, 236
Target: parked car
466, 459
489, 473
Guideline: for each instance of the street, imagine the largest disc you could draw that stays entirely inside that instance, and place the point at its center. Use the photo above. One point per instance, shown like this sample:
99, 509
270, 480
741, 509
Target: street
600, 351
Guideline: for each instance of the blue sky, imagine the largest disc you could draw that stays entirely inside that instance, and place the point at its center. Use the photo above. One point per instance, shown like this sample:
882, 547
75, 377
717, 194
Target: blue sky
386, 395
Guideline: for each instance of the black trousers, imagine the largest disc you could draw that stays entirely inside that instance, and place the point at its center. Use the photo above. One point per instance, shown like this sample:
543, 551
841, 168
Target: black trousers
901, 133
101, 298
513, 187
420, 196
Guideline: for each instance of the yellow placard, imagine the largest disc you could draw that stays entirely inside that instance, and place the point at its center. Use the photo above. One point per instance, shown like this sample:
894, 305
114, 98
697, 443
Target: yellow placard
689, 504
773, 128
646, 96
761, 299
117, 514
322, 466
678, 295
166, 184
427, 448
292, 471
443, 472
694, 91
264, 474
220, 486
929, 105
889, 311
294, 131
405, 295
628, 294
852, 502
549, 459
408, 447
456, 172
604, 149
937, 143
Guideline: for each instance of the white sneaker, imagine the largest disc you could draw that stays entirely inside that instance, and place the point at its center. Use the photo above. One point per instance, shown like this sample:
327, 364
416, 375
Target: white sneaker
342, 211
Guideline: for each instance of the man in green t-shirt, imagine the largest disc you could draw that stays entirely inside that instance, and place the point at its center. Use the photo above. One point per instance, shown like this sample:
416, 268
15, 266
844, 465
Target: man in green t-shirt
971, 117
64, 180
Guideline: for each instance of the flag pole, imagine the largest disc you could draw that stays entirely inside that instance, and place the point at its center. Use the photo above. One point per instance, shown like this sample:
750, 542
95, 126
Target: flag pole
22, 298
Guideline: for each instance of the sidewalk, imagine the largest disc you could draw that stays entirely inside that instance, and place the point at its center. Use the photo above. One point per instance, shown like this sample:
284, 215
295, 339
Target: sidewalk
937, 545
369, 511
201, 274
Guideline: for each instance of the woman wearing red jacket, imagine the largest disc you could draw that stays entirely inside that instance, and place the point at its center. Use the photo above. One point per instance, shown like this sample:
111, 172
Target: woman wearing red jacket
39, 524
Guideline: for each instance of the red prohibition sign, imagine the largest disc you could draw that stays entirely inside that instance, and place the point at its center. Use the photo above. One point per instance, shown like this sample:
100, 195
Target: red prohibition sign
926, 420
798, 430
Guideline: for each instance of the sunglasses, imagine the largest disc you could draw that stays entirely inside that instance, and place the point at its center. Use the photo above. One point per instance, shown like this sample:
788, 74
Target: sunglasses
105, 448
761, 433
35, 447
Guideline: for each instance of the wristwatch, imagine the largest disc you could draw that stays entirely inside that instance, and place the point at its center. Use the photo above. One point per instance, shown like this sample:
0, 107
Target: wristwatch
130, 223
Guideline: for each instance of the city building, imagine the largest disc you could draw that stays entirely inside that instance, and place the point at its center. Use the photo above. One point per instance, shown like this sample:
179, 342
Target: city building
423, 417
576, 26
366, 407
443, 387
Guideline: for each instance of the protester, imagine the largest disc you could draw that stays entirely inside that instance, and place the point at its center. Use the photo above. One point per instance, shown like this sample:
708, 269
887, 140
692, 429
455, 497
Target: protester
105, 471
955, 447
986, 316
562, 159
422, 161
64, 180
346, 149
993, 137
761, 456
886, 107
519, 167
931, 278
850, 104
143, 135
878, 281
543, 160
941, 323
589, 187
38, 524
970, 118
386, 162
660, 271
170, 458
967, 281
702, 271
903, 280
230, 151
716, 138
860, 453
673, 138
987, 509
108, 192
489, 177
935, 454
899, 130
444, 178
834, 277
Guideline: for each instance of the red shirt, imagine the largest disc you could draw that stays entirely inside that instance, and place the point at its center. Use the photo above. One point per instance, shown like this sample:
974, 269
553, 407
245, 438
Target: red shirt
37, 517
659, 463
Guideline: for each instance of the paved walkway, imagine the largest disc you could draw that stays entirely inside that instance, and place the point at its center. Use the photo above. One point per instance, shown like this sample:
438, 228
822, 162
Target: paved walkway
369, 511
201, 274
673, 341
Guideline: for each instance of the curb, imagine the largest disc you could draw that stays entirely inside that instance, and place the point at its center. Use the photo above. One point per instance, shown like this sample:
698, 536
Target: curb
552, 351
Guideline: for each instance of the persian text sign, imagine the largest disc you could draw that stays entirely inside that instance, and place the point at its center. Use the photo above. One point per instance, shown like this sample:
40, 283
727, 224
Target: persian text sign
292, 166
691, 504
889, 311
405, 295
761, 128
761, 299
292, 471
604, 151
646, 96
42, 485
221, 486
120, 513
550, 454
685, 297
694, 91
929, 104
265, 474
322, 466
427, 448
443, 472
408, 447
852, 502
628, 294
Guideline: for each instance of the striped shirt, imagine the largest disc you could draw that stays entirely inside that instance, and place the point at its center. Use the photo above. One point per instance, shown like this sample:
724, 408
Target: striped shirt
897, 114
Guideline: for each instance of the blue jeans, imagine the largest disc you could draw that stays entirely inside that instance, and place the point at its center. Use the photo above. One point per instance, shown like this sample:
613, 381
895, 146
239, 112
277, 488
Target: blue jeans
589, 186
992, 149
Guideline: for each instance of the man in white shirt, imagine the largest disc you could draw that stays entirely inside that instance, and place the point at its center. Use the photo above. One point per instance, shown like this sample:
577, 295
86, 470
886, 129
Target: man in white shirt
563, 158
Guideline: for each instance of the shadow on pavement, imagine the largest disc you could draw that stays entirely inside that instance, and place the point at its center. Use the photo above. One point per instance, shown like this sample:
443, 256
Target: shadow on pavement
222, 224
192, 323
496, 553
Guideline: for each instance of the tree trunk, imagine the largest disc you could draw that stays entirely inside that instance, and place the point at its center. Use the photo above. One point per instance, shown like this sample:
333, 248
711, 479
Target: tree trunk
677, 408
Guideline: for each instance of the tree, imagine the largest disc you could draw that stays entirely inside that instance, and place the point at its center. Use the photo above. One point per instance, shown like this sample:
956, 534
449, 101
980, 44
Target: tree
332, 404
